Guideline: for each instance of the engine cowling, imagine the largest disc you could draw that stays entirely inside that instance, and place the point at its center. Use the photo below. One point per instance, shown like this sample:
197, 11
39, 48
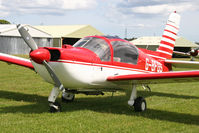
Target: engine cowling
39, 55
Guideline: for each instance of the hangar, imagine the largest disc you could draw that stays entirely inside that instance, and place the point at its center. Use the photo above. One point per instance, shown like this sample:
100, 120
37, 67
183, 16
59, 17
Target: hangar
68, 34
12, 43
152, 43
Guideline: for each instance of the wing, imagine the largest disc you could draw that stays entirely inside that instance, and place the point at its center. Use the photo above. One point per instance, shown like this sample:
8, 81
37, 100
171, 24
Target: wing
156, 78
16, 60
183, 64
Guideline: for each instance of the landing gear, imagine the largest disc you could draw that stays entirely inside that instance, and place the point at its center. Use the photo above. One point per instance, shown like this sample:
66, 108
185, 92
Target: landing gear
139, 103
55, 107
67, 97
146, 87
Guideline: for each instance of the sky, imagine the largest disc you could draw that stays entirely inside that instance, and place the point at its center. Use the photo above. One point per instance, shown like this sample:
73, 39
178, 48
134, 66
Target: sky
111, 17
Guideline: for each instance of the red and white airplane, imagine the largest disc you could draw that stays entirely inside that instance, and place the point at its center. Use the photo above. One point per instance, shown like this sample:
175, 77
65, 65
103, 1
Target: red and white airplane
97, 64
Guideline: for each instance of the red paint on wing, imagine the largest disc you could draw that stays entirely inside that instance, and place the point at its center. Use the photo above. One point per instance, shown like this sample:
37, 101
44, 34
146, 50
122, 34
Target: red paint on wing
16, 60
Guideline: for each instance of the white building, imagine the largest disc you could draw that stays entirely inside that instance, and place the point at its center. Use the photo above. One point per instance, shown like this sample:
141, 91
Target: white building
153, 42
68, 34
12, 43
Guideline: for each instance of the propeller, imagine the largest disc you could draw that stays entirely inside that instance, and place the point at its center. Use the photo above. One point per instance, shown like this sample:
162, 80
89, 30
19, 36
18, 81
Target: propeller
194, 52
41, 56
27, 38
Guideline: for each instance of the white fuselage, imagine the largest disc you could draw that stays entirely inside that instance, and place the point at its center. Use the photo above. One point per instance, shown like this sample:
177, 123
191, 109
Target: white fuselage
82, 75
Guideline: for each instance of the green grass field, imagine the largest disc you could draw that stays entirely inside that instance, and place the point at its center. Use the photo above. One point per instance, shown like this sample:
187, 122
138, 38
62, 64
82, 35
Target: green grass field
24, 108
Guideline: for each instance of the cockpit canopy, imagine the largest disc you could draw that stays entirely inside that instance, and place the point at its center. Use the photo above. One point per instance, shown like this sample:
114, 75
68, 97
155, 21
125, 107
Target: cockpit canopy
122, 50
97, 45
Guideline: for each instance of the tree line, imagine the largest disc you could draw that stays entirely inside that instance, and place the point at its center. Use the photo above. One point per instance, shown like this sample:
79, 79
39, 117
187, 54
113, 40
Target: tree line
2, 21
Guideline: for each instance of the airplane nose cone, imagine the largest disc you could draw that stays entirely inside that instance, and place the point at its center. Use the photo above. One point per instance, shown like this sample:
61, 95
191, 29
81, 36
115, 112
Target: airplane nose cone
39, 55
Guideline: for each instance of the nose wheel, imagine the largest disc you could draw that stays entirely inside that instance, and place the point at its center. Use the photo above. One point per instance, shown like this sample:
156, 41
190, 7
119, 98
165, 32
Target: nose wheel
55, 107
66, 97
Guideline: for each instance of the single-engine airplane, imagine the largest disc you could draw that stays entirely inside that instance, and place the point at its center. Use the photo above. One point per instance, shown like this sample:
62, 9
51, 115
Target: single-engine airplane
96, 64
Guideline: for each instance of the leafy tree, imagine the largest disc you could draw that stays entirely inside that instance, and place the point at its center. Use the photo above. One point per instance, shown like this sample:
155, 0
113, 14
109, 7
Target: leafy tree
2, 21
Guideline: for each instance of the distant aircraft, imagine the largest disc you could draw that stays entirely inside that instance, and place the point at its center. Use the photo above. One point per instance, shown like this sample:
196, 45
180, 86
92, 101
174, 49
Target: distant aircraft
97, 64
193, 53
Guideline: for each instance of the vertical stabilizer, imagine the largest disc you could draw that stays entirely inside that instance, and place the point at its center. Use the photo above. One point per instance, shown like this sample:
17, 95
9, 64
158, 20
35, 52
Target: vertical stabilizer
169, 36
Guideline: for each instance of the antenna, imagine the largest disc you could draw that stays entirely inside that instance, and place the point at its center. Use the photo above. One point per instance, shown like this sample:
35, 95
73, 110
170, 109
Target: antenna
125, 32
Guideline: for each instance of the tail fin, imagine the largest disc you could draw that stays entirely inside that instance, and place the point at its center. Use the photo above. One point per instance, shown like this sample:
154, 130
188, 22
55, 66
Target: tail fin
169, 36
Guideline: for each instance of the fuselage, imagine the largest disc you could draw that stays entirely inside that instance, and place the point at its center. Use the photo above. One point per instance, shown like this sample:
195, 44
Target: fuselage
92, 59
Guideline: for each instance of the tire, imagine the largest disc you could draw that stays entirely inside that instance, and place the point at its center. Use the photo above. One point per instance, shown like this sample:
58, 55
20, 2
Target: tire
140, 104
67, 97
55, 107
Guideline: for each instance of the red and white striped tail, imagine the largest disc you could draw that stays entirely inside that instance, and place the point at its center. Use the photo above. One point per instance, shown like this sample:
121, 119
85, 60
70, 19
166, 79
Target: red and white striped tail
169, 36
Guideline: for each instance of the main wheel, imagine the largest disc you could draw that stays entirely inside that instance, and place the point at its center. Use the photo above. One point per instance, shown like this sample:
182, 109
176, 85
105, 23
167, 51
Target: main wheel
140, 104
55, 107
67, 97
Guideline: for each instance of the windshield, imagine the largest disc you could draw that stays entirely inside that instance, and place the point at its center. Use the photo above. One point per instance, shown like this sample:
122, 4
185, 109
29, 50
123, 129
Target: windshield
97, 45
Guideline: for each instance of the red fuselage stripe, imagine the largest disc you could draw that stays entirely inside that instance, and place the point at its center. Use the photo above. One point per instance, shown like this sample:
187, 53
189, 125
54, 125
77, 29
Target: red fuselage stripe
102, 65
165, 55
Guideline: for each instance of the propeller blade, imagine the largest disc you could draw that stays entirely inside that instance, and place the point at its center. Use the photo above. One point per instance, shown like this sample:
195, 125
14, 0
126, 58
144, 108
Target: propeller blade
27, 38
53, 75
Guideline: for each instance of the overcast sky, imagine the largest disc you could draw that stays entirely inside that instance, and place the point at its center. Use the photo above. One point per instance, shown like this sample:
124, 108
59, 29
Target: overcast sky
140, 17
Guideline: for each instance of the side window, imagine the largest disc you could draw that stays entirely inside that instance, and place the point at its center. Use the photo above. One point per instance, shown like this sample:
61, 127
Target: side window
124, 52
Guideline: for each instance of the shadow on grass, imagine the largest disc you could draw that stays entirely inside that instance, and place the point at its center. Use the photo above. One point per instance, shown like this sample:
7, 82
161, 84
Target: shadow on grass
149, 94
116, 105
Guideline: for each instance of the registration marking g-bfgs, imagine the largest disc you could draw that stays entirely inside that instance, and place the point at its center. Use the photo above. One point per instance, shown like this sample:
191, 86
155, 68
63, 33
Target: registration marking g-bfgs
153, 65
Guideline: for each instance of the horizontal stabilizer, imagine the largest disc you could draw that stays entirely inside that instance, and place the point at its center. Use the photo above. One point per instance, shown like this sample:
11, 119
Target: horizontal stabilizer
183, 64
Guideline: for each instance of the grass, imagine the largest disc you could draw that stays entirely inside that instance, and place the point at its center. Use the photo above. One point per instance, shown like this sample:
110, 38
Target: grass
24, 108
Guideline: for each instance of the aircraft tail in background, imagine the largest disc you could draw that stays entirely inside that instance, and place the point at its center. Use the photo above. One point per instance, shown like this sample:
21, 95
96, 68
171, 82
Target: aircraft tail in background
169, 36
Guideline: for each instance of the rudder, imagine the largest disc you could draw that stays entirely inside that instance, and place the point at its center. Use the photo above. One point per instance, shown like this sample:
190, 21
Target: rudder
169, 36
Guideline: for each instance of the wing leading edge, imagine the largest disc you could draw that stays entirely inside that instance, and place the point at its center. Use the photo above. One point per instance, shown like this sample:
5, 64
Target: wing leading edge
16, 60
156, 78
